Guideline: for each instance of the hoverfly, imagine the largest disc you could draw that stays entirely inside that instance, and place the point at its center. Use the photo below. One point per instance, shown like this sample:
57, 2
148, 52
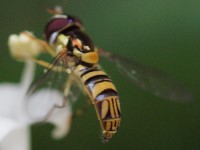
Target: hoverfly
76, 62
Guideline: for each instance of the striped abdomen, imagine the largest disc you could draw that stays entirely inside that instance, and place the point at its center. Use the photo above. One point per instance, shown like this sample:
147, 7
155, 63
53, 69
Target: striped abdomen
104, 96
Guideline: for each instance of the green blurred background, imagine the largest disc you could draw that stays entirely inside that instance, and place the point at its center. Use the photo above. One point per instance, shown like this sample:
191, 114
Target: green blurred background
161, 33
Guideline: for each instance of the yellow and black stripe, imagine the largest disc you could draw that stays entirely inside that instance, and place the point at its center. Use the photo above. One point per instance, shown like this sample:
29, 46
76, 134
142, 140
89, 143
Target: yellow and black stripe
104, 96
98, 84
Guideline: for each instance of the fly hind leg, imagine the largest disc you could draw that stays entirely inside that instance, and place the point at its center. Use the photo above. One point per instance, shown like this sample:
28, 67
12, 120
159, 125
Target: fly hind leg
83, 109
65, 100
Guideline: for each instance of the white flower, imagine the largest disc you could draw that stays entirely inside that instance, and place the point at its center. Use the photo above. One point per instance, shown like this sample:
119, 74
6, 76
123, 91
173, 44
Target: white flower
14, 120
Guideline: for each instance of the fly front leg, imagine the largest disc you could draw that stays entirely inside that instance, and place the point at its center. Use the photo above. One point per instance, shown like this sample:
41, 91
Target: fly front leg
54, 65
46, 46
48, 65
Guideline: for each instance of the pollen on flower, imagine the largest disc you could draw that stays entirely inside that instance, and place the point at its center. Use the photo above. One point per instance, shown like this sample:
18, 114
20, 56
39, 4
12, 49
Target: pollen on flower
23, 46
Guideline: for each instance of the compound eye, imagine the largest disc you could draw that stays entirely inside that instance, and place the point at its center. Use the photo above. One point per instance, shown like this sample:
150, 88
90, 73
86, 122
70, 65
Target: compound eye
54, 25
74, 19
59, 23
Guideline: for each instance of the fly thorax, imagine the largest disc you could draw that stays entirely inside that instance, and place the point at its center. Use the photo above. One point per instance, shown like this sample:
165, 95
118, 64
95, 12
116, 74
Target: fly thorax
86, 54
82, 47
89, 57
79, 49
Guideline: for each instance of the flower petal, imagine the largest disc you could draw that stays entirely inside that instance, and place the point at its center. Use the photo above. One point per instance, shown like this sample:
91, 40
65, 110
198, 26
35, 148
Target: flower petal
41, 106
18, 139
7, 125
10, 96
42, 102
62, 119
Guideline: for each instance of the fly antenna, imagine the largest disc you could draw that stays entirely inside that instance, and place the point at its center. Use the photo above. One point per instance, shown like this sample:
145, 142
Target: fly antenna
56, 10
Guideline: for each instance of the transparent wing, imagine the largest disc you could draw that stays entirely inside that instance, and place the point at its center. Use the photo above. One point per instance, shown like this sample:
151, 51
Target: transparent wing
150, 79
51, 91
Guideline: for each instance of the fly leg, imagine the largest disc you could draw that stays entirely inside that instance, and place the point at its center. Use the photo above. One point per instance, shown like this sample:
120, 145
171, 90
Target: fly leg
64, 102
52, 65
84, 108
42, 42
65, 99
47, 65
